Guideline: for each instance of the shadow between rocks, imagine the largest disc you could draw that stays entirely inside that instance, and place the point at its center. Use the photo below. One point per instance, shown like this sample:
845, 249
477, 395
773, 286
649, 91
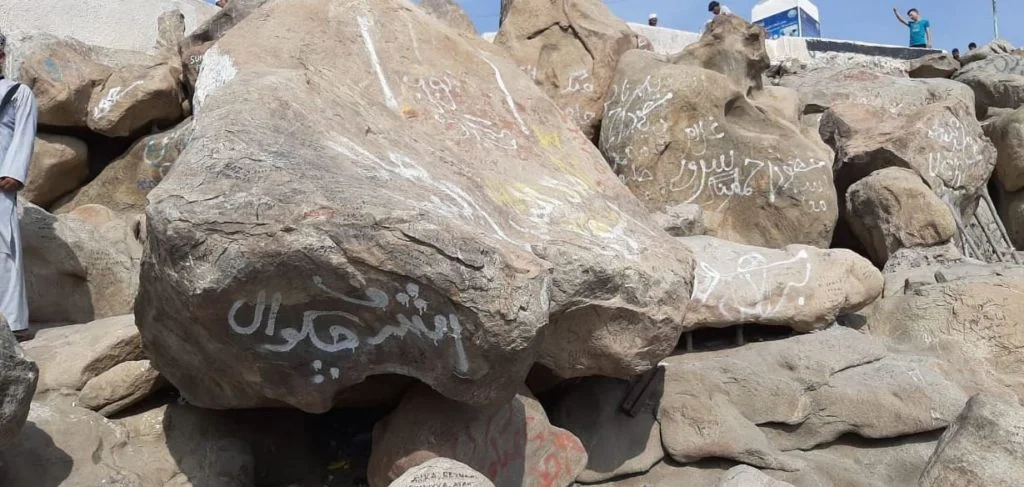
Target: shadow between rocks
34, 460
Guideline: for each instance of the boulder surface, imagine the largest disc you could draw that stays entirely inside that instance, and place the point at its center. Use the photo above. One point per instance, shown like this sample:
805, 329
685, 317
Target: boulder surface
18, 378
984, 446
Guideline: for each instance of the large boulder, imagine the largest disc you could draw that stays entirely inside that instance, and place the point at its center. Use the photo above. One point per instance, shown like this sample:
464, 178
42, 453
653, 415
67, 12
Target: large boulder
1007, 134
733, 47
195, 45
997, 81
939, 65
63, 76
941, 142
984, 446
800, 287
70, 356
60, 165
448, 218
450, 14
754, 403
135, 99
123, 185
122, 386
893, 208
511, 443
80, 266
683, 134
18, 378
570, 48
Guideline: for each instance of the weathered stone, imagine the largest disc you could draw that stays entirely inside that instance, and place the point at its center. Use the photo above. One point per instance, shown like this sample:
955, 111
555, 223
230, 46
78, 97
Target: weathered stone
1007, 134
1011, 210
984, 446
450, 14
997, 81
59, 166
18, 378
994, 48
123, 385
757, 178
512, 443
821, 89
441, 228
732, 47
893, 208
747, 476
63, 76
781, 102
804, 288
939, 65
685, 220
442, 472
170, 31
853, 461
194, 47
752, 403
132, 100
971, 323
124, 183
570, 49
80, 266
617, 443
70, 356
941, 142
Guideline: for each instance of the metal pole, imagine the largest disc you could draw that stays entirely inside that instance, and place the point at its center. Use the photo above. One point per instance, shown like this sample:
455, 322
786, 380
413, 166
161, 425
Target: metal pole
995, 19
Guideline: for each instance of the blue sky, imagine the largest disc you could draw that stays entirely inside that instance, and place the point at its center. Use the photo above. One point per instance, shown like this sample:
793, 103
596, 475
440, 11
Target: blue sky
955, 23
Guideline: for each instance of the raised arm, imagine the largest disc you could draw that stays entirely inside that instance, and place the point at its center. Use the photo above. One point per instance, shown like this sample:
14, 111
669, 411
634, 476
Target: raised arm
899, 17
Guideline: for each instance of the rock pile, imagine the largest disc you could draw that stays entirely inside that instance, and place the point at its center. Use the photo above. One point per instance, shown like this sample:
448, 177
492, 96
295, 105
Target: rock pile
554, 260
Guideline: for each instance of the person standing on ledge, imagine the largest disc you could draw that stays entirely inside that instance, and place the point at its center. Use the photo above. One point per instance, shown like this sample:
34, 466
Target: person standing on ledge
920, 29
18, 115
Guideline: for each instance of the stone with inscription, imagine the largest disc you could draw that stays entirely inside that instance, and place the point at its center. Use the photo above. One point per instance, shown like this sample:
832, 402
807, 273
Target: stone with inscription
122, 186
801, 287
442, 472
412, 207
942, 142
511, 443
755, 404
984, 446
570, 49
132, 101
997, 81
194, 46
893, 208
756, 177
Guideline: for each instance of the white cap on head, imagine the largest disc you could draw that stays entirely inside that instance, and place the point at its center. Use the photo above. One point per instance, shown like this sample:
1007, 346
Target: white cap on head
652, 16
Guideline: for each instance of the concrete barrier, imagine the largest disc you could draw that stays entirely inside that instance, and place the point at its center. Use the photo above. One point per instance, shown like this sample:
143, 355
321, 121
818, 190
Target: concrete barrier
118, 24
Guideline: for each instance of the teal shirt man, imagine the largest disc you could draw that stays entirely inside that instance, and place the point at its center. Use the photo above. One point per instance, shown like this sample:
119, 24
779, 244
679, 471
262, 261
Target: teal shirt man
920, 29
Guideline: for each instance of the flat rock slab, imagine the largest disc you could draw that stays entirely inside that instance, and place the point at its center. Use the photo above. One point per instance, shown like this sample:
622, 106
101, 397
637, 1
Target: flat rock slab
70, 356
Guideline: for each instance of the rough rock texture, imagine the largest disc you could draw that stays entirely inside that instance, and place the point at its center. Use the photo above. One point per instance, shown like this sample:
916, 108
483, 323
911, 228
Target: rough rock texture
823, 88
747, 476
732, 47
166, 445
133, 100
60, 165
170, 31
194, 47
801, 287
447, 217
512, 443
1007, 134
941, 142
984, 446
685, 220
123, 185
940, 65
450, 14
120, 387
892, 209
997, 81
80, 266
994, 48
617, 443
70, 356
683, 134
442, 472
63, 76
570, 48
18, 378
1011, 210
967, 315
752, 403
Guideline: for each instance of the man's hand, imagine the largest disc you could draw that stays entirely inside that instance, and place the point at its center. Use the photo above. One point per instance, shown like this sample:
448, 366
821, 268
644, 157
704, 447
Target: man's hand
10, 185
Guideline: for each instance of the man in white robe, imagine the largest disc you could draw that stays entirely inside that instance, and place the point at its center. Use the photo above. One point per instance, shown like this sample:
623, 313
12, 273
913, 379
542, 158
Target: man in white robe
17, 136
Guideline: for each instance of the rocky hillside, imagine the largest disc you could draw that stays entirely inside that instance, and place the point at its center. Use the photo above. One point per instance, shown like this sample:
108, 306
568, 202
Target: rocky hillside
345, 243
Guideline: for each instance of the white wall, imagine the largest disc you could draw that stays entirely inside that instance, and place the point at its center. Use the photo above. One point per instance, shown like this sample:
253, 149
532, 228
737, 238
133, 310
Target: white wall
119, 24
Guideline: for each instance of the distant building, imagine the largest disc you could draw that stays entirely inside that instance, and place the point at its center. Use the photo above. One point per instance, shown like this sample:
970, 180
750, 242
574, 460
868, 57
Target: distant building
787, 18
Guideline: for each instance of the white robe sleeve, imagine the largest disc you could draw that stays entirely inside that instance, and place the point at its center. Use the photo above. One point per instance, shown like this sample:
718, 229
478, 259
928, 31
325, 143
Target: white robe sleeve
19, 154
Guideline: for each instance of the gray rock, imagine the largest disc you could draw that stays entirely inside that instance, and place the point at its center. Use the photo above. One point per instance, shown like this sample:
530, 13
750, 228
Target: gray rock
452, 219
824, 88
1007, 134
994, 48
747, 476
997, 81
120, 387
71, 356
442, 472
60, 165
18, 378
685, 220
984, 446
939, 65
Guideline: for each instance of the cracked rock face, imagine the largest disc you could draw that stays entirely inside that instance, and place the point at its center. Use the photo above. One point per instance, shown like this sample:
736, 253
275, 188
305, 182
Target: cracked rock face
426, 218
570, 49
984, 446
